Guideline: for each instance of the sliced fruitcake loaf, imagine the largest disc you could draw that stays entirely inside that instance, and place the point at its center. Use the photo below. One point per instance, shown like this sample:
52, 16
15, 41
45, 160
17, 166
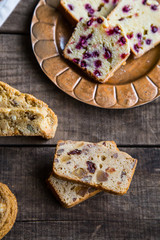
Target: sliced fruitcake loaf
99, 166
141, 21
98, 47
75, 10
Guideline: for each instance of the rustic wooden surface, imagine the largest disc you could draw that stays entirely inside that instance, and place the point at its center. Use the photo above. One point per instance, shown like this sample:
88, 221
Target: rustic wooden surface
26, 162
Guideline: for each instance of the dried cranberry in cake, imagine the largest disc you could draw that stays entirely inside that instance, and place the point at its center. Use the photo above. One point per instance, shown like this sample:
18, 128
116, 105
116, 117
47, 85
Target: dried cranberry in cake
98, 63
91, 167
99, 20
96, 48
123, 55
71, 7
148, 41
126, 8
154, 29
95, 54
75, 152
154, 7
137, 16
122, 40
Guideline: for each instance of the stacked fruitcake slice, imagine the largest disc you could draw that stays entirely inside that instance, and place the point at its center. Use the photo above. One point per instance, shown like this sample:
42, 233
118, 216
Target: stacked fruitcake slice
95, 165
71, 193
82, 169
141, 22
23, 114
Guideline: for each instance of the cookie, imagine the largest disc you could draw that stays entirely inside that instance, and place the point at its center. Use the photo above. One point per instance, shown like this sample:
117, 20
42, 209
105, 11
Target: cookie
8, 210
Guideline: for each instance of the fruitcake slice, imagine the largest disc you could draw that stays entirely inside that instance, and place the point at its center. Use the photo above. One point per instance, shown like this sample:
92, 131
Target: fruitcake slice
98, 47
69, 193
100, 166
28, 122
76, 10
141, 21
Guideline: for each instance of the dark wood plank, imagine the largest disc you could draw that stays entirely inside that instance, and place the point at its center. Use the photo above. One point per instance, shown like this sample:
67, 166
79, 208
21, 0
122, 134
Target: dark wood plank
86, 230
20, 19
25, 170
77, 121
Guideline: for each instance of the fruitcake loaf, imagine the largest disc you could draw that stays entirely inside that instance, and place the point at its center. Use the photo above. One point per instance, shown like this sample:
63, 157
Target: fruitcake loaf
141, 21
11, 97
94, 164
8, 210
28, 122
76, 10
98, 47
69, 193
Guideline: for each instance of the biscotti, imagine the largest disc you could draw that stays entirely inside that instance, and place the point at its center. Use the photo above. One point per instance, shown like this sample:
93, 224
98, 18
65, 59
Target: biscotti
141, 21
8, 210
27, 122
98, 47
23, 114
94, 164
69, 193
76, 10
11, 97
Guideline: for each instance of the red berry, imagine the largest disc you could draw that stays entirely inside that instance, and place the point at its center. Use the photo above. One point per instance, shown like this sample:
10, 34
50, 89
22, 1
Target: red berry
76, 60
126, 8
98, 63
154, 29
83, 64
70, 7
100, 20
97, 73
107, 54
123, 55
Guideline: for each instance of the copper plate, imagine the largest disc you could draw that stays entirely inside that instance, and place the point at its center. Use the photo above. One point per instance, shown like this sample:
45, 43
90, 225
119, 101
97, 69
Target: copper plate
135, 84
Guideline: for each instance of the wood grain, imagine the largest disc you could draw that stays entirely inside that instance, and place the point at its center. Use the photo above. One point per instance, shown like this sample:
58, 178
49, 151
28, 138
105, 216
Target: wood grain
20, 20
134, 216
25, 170
77, 121
88, 230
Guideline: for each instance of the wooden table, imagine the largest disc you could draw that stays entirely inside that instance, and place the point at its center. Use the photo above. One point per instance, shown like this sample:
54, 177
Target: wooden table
26, 162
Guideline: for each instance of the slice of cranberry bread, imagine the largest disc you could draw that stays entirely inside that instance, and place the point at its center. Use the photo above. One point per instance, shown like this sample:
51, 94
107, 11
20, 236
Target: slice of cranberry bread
69, 193
76, 10
98, 47
141, 21
101, 166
